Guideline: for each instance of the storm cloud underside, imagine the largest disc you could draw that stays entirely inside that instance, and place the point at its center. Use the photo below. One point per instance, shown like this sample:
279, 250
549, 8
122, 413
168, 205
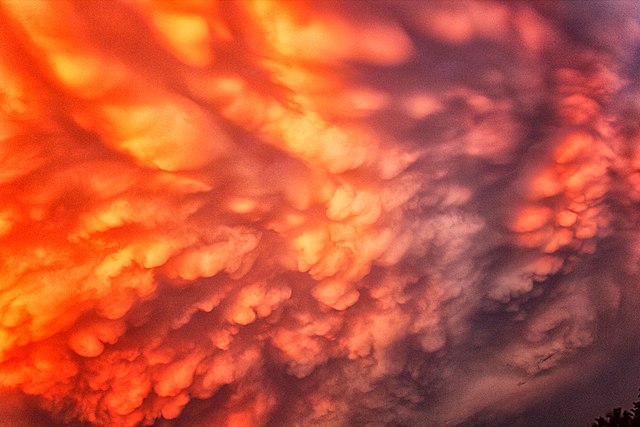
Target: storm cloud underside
247, 213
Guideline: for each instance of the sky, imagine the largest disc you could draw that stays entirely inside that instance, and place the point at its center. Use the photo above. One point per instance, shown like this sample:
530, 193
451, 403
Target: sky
318, 213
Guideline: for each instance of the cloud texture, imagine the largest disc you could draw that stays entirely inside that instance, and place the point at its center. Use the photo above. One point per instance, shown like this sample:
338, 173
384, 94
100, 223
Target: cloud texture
257, 213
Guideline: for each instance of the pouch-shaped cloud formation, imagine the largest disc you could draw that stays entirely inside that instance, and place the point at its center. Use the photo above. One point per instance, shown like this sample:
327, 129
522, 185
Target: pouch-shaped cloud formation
252, 213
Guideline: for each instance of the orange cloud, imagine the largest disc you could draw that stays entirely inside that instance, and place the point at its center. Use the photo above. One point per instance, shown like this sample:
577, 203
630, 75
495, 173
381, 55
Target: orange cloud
252, 212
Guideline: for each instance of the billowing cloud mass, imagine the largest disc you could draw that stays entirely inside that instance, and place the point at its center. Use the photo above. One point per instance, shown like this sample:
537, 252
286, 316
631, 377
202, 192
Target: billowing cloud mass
261, 213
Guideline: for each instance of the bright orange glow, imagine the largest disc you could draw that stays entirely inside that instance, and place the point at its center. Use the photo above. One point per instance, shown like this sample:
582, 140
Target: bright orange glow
251, 212
546, 184
572, 146
188, 35
531, 218
566, 218
143, 172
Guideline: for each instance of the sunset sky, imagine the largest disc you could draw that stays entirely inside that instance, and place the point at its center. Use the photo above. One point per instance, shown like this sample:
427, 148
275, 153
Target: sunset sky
387, 213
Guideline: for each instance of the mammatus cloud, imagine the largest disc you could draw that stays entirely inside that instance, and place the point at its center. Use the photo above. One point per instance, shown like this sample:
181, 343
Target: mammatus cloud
314, 213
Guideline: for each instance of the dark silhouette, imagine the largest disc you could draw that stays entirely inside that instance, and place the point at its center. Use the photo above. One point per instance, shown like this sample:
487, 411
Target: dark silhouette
620, 418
